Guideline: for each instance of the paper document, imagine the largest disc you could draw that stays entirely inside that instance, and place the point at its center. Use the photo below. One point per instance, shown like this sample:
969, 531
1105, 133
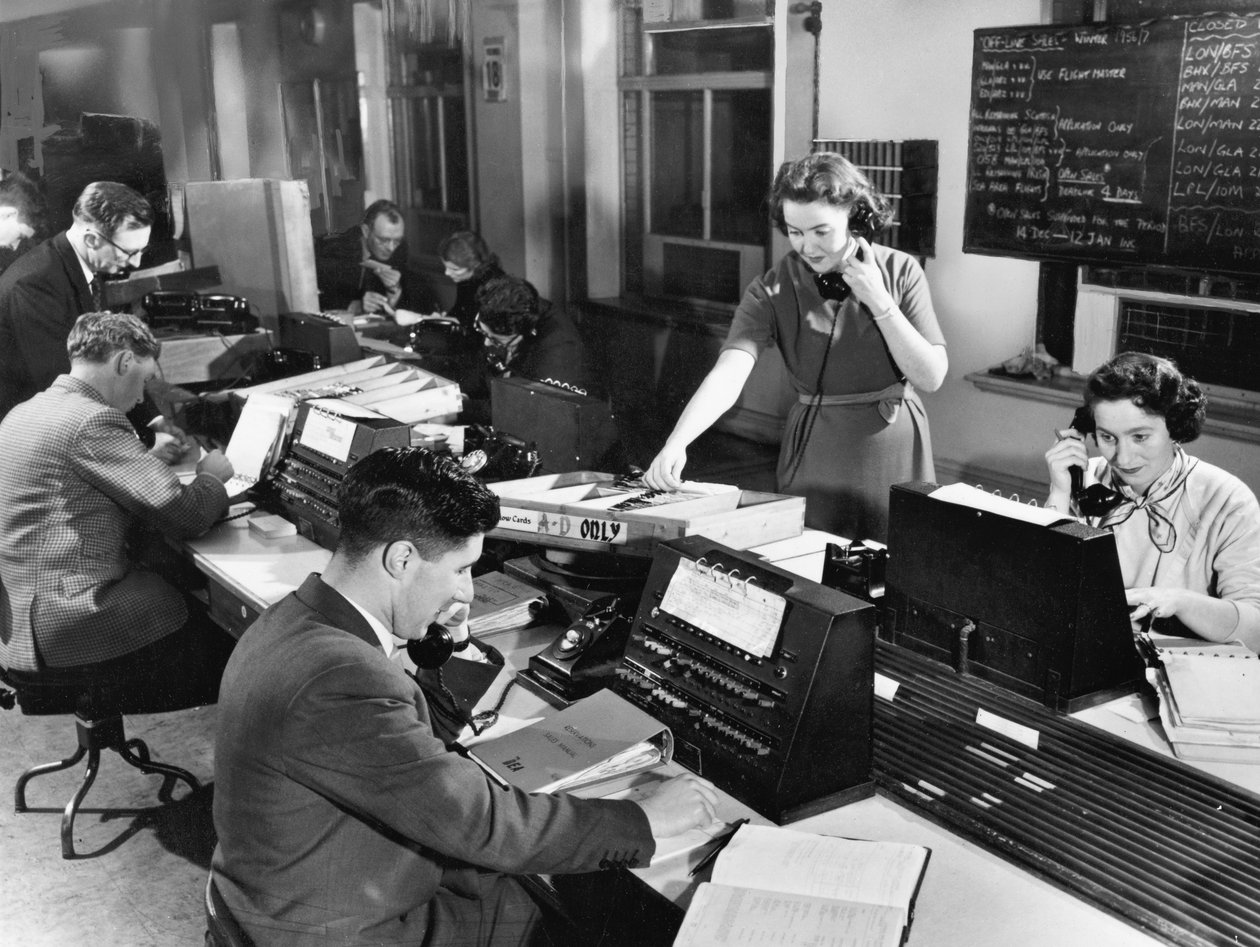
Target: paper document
720, 603
256, 439
977, 499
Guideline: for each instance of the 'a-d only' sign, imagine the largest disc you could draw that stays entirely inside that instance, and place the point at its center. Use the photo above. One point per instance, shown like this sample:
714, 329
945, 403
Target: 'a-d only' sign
591, 528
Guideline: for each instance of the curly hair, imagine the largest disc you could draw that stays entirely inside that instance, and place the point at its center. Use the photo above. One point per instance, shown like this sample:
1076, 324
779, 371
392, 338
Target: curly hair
1155, 385
828, 178
509, 306
413, 494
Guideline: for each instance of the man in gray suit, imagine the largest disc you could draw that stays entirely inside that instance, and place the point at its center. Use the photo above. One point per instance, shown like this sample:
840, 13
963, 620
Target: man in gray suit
341, 817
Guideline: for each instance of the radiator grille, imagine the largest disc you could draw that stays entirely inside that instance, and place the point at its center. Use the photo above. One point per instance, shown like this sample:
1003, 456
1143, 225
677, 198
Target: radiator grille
1169, 848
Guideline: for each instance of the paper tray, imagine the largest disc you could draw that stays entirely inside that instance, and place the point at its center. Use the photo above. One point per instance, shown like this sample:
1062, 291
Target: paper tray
550, 511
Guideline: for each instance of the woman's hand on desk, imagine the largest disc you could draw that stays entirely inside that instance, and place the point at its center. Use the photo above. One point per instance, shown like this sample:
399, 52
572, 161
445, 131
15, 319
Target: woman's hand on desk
680, 804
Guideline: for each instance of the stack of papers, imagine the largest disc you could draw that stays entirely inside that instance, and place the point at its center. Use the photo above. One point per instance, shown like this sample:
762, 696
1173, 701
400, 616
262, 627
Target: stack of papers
501, 602
1209, 698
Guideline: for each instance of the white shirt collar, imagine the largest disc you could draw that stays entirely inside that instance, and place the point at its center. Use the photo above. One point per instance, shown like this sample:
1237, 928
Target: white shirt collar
88, 275
383, 634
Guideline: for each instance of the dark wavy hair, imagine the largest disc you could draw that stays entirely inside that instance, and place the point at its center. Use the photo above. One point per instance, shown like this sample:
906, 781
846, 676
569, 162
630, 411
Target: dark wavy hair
1154, 384
410, 493
828, 178
510, 306
112, 207
468, 251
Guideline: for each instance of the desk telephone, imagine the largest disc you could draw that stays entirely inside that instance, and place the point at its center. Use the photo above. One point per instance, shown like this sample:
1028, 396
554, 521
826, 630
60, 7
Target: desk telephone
585, 655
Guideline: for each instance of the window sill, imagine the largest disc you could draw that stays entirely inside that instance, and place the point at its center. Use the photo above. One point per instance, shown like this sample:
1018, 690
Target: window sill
1232, 418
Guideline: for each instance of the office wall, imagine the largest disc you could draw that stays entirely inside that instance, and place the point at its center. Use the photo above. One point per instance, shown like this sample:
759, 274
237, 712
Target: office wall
902, 69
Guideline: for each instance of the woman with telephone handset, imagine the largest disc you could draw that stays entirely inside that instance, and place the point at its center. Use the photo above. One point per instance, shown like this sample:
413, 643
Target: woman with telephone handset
1187, 532
858, 334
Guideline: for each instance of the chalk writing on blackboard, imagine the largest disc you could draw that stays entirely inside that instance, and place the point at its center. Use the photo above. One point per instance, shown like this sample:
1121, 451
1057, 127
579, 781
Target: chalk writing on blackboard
1122, 144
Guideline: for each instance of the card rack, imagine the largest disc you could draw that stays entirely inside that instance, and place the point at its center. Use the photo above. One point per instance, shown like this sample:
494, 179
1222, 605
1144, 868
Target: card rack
765, 678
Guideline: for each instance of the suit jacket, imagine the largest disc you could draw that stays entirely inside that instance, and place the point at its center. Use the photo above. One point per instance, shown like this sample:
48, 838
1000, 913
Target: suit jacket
78, 486
342, 278
339, 814
41, 295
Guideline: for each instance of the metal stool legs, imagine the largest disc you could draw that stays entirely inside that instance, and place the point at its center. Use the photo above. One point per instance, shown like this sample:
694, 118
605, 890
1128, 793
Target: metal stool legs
94, 736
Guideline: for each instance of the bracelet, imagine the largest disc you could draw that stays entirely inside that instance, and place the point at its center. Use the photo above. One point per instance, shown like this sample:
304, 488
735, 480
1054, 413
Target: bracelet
886, 314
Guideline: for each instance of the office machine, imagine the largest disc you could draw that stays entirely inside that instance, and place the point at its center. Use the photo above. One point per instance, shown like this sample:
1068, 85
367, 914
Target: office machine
856, 568
1037, 609
198, 312
764, 677
331, 341
572, 430
323, 447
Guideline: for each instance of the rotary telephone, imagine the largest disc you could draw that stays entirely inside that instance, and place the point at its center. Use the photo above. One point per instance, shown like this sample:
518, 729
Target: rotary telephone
861, 224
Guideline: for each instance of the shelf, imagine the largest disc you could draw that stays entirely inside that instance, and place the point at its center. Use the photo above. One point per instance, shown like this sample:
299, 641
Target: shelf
1227, 417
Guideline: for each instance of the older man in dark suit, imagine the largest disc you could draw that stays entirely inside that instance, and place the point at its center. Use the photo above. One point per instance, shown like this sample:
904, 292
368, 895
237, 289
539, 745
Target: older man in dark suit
78, 487
364, 269
341, 817
51, 285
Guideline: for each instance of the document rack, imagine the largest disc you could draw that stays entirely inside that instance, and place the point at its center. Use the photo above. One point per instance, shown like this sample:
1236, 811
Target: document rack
765, 678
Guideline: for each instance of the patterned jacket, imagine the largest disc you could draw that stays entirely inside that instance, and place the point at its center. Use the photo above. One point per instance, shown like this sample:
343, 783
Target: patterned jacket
78, 487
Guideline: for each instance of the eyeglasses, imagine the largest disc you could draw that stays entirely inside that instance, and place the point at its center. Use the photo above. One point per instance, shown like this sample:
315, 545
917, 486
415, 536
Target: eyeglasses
127, 255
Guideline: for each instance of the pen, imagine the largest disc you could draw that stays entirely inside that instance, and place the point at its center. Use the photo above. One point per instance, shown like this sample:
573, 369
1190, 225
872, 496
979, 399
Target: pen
719, 843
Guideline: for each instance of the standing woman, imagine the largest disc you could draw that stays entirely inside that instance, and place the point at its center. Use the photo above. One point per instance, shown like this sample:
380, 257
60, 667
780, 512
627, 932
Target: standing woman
1187, 532
855, 324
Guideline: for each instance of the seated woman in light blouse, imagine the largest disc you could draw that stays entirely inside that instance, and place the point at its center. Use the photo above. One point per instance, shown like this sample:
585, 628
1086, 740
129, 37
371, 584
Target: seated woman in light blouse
1187, 532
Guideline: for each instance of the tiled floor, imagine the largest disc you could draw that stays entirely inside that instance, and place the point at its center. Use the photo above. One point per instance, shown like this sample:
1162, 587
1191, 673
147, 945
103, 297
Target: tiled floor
141, 870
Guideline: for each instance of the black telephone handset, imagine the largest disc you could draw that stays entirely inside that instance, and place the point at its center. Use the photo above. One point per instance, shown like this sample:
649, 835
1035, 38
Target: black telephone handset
861, 224
435, 648
1096, 499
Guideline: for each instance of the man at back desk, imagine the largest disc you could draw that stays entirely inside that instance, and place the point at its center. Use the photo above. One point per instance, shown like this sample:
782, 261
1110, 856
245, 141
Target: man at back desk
78, 489
341, 817
364, 269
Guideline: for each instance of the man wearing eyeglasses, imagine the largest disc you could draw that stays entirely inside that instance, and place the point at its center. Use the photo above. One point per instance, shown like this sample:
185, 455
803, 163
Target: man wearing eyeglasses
364, 269
50, 286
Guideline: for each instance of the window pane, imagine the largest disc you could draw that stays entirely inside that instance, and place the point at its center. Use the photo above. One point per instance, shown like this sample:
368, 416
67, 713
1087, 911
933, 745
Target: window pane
426, 181
741, 165
456, 156
746, 49
677, 164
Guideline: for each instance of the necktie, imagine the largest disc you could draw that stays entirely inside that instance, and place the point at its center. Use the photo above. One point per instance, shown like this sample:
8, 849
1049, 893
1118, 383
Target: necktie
98, 294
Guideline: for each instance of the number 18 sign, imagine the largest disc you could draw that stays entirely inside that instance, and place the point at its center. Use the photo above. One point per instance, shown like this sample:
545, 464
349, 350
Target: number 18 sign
492, 79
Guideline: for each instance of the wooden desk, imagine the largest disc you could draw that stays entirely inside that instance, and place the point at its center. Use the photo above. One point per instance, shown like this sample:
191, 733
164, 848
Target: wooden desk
970, 897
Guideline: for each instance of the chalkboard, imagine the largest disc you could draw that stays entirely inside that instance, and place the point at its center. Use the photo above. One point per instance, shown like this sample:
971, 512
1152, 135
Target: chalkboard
1135, 144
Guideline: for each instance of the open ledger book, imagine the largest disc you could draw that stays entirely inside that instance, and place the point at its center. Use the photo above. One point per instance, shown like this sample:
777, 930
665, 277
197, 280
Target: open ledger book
796, 889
